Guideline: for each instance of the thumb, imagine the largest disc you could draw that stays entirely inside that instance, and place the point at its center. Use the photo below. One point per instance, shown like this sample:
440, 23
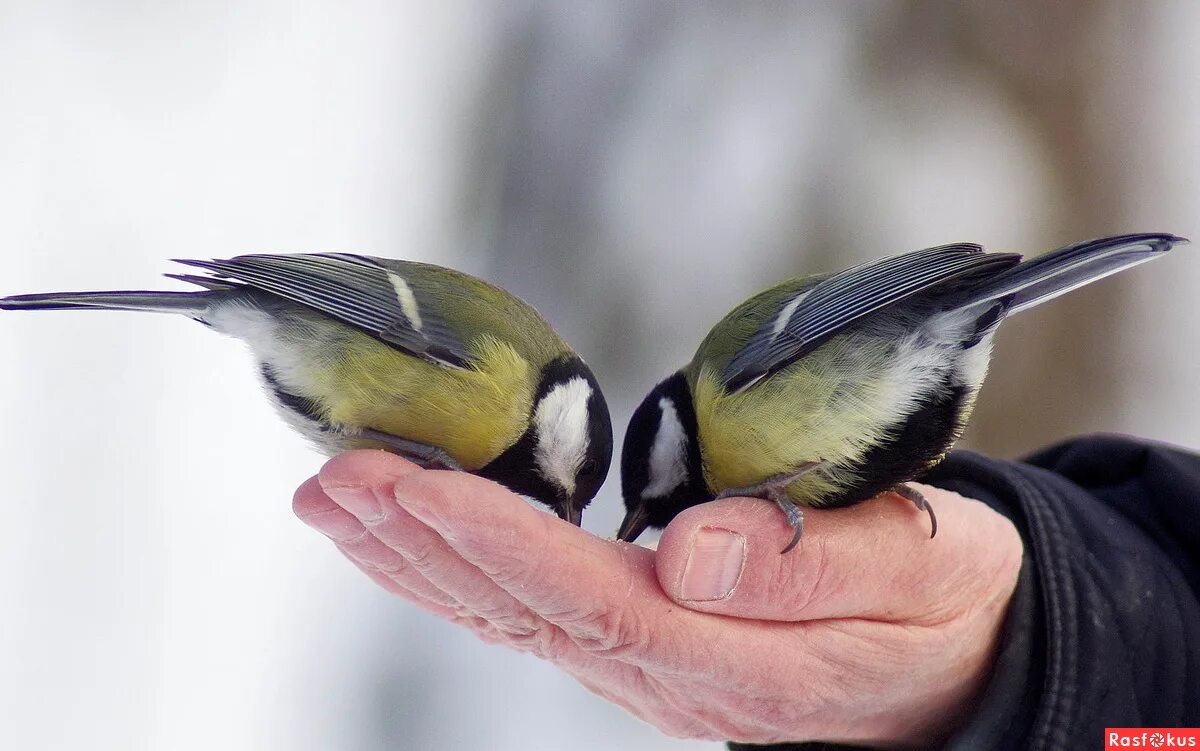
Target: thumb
872, 560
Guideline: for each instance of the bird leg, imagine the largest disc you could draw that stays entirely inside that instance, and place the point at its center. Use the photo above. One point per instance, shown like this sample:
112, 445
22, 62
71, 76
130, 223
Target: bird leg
774, 488
422, 454
920, 501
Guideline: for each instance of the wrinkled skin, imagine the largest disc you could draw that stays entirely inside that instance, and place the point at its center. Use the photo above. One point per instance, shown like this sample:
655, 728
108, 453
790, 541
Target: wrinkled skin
868, 632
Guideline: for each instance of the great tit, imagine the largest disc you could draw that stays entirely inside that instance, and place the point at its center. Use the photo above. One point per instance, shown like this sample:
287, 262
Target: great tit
420, 360
824, 391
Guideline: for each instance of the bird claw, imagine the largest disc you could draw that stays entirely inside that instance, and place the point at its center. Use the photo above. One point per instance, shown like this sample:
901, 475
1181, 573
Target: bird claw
795, 518
922, 503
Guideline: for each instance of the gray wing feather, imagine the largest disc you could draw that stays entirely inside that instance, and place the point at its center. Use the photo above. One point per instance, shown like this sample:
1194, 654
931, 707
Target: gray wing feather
354, 290
812, 316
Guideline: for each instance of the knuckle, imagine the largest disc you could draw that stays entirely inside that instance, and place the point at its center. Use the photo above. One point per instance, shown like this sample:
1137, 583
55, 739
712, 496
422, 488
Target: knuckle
551, 644
539, 639
481, 626
610, 633
421, 555
365, 548
390, 565
467, 616
358, 542
513, 623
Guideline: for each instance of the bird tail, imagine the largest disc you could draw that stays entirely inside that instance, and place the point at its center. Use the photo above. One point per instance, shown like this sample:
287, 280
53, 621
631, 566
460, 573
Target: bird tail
1043, 278
185, 303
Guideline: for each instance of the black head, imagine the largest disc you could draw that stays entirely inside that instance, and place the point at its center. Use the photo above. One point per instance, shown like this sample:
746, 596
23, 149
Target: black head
660, 461
562, 458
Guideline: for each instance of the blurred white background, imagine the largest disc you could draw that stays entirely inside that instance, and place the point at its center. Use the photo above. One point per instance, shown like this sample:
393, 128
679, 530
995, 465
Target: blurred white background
631, 169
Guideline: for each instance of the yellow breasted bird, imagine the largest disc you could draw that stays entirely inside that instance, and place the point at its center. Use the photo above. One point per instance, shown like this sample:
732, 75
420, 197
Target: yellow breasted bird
824, 391
420, 360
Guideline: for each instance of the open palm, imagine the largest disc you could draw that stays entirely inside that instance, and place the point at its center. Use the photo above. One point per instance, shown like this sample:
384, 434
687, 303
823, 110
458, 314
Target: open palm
868, 632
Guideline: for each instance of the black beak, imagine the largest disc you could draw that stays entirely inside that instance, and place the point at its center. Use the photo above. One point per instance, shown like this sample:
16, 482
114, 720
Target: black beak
634, 525
569, 511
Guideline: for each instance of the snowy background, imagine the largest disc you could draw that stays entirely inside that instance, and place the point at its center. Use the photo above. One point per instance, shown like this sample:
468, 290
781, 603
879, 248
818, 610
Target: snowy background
632, 169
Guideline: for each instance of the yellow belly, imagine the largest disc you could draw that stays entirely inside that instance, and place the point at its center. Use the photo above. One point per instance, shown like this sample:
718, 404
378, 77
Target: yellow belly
831, 409
473, 414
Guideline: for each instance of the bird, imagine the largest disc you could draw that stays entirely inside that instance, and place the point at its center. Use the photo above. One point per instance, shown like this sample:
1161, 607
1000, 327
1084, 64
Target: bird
423, 361
824, 391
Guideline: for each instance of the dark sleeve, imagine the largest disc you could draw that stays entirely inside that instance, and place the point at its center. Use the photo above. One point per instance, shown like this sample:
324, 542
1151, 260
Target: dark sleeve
1104, 627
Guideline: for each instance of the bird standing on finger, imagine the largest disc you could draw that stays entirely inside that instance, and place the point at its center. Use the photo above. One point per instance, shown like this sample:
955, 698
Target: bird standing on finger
824, 391
423, 361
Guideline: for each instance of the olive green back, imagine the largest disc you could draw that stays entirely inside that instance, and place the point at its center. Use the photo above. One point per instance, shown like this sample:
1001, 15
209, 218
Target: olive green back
732, 332
473, 307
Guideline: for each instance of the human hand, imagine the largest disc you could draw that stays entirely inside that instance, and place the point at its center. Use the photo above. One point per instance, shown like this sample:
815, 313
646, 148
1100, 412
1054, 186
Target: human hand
869, 632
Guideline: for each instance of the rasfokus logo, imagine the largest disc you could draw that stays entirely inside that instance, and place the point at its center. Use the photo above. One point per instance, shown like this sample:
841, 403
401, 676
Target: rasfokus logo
1151, 738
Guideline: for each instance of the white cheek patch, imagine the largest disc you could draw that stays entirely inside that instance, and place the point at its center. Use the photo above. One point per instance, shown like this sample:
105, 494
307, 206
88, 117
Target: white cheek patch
561, 426
668, 454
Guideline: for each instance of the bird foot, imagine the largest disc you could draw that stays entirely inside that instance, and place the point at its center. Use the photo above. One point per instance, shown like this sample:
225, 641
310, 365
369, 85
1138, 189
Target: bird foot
421, 454
921, 502
774, 489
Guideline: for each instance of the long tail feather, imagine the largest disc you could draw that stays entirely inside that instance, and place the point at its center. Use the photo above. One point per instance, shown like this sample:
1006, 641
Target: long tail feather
186, 303
1043, 278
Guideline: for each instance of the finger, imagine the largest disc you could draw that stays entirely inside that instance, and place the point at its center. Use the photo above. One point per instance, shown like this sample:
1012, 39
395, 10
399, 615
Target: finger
385, 566
388, 584
370, 485
361, 484
602, 594
381, 564
317, 510
455, 614
462, 593
871, 560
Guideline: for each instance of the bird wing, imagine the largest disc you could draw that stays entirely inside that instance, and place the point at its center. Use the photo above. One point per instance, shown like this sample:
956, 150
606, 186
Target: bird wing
356, 290
805, 320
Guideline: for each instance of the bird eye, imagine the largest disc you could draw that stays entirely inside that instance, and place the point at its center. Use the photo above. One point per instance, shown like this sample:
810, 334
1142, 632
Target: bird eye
589, 468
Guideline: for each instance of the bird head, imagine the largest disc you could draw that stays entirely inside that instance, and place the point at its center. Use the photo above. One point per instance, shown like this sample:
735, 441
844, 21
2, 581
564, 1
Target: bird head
563, 457
661, 473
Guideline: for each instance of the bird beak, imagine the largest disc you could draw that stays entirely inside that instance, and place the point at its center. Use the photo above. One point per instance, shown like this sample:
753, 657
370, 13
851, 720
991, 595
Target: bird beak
569, 511
634, 525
